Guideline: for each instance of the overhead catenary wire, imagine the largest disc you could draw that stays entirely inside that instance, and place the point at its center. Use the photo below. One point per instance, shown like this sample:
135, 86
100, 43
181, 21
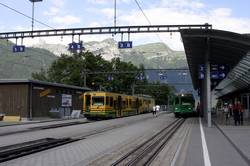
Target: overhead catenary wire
4, 5
144, 14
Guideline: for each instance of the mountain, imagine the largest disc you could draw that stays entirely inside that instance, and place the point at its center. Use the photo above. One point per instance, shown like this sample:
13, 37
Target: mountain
153, 55
22, 65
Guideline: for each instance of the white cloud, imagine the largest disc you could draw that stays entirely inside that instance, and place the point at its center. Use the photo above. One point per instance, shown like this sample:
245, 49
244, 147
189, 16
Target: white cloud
94, 24
65, 20
193, 4
58, 3
104, 2
108, 12
222, 12
100, 1
166, 12
52, 11
220, 18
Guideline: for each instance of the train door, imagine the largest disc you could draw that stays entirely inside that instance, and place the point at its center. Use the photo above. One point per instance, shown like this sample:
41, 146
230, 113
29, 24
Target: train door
119, 103
87, 102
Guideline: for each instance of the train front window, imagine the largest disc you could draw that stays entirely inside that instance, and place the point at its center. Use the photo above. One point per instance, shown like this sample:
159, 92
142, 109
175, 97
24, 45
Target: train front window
98, 100
186, 101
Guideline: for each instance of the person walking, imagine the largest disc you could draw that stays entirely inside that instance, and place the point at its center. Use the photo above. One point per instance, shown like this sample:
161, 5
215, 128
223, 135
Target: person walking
236, 113
226, 113
241, 112
154, 111
198, 109
230, 109
157, 108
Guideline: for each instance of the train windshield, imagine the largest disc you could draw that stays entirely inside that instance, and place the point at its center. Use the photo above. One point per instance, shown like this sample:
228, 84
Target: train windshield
186, 101
98, 100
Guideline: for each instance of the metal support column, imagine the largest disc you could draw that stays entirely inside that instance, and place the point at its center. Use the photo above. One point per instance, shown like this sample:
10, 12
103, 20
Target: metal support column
30, 101
248, 113
208, 84
85, 78
168, 103
133, 88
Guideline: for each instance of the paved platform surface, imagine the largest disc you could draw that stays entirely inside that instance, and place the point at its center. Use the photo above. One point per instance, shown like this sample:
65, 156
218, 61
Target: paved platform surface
222, 145
220, 149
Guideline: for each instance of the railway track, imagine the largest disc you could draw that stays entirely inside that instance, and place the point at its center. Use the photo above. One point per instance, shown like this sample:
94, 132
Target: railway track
145, 153
26, 148
44, 127
22, 149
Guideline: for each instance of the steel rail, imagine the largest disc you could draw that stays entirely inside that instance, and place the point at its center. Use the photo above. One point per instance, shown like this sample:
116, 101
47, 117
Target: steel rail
139, 153
32, 147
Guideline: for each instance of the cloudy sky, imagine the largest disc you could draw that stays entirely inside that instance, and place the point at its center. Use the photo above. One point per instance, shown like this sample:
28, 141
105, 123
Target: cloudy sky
231, 15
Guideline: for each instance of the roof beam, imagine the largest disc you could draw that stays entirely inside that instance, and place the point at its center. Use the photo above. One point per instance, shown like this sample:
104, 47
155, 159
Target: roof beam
102, 30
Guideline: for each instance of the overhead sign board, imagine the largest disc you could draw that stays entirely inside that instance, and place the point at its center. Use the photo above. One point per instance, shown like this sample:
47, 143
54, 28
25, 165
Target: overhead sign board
75, 46
125, 44
217, 71
18, 48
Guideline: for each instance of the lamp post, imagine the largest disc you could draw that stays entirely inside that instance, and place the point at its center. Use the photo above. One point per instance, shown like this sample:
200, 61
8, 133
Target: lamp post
33, 8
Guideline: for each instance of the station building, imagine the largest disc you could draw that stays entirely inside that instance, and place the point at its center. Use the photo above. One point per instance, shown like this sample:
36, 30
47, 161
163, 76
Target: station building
210, 47
32, 99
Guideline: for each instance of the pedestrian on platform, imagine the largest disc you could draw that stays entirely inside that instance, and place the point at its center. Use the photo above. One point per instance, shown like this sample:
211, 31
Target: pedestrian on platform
241, 112
230, 109
226, 113
154, 111
236, 113
198, 109
157, 108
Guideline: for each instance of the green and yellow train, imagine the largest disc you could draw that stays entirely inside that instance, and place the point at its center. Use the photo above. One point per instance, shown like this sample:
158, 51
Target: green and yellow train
183, 105
103, 105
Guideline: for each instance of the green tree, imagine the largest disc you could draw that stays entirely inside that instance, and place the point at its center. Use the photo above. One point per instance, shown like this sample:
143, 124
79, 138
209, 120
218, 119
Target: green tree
70, 69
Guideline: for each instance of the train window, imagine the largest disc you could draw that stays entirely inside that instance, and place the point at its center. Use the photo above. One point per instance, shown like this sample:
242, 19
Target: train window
98, 100
133, 104
140, 102
130, 102
107, 100
126, 102
186, 101
111, 101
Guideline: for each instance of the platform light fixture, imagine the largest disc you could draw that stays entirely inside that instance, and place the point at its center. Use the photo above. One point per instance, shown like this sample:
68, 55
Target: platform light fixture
33, 8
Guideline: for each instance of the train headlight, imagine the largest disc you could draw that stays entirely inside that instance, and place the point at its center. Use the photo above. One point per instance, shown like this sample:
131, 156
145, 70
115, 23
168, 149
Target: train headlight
176, 108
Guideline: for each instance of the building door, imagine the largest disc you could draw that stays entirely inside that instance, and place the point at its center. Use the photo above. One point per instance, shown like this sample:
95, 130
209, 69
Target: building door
88, 102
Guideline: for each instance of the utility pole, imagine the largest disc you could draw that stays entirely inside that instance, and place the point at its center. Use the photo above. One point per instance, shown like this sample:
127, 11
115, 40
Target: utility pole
33, 12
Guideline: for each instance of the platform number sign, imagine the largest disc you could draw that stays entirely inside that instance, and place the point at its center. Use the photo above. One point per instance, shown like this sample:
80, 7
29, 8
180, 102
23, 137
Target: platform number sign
75, 46
18, 48
125, 44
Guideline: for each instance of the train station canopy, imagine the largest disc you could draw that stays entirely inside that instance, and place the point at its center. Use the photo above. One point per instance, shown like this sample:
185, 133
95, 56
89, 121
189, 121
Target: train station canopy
231, 49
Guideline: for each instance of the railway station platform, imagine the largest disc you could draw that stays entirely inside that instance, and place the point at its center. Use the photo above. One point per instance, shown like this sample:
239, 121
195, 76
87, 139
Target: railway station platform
221, 145
193, 144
